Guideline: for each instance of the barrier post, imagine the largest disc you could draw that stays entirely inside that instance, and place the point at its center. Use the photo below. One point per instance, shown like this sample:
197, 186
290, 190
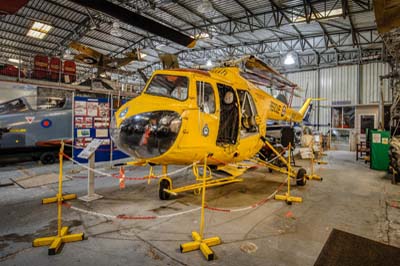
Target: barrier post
66, 196
313, 175
90, 189
198, 238
62, 236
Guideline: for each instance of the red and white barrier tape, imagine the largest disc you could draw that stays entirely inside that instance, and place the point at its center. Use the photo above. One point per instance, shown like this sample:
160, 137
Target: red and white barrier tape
151, 217
129, 178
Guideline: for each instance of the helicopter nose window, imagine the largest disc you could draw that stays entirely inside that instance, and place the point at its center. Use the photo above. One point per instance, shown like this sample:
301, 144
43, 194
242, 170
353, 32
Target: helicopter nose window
170, 86
205, 97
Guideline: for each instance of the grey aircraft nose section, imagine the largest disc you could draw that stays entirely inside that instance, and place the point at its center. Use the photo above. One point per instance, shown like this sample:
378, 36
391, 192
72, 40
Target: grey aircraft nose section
22, 126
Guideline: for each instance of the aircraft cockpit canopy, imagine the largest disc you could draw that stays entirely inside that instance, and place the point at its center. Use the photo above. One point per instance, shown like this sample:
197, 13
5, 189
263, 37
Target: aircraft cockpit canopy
170, 86
13, 106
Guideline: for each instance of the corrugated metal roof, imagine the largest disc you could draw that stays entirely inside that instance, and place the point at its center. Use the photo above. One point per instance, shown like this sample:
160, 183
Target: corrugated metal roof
233, 23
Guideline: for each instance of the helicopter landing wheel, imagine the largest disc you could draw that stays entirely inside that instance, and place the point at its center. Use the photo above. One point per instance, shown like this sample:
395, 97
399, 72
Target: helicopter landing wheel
164, 184
301, 177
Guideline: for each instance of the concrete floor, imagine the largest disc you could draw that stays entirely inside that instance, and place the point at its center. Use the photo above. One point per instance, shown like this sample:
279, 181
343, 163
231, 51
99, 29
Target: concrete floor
351, 197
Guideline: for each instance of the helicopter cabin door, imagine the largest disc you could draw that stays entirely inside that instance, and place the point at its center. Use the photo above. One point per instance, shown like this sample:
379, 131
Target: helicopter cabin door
208, 118
229, 116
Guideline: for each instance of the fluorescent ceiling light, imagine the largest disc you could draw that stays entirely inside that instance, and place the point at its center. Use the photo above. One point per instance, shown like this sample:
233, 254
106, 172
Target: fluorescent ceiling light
142, 55
209, 63
202, 35
289, 60
39, 30
13, 60
205, 7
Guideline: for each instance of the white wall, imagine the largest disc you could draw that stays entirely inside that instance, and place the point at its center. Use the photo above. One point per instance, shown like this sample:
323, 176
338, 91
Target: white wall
353, 85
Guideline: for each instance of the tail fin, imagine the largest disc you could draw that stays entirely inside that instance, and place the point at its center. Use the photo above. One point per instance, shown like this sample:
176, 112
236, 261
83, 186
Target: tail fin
305, 110
307, 115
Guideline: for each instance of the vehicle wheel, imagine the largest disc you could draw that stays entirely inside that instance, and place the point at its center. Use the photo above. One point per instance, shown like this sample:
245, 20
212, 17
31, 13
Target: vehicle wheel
48, 158
162, 194
301, 177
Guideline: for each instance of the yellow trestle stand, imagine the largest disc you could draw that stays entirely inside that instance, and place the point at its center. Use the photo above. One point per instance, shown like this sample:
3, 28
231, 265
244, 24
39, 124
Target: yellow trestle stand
198, 240
313, 175
289, 199
62, 236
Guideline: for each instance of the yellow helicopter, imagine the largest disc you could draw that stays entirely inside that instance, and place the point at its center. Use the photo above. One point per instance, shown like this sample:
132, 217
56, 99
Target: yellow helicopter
184, 115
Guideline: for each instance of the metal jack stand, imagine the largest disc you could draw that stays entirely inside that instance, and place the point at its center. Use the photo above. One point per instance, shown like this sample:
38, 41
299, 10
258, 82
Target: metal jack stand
198, 241
62, 236
289, 199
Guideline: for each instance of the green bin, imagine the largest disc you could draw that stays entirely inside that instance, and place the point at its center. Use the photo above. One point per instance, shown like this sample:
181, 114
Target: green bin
379, 143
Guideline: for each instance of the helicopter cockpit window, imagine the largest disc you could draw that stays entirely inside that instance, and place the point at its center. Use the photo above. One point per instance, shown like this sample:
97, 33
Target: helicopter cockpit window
248, 111
13, 106
205, 97
170, 86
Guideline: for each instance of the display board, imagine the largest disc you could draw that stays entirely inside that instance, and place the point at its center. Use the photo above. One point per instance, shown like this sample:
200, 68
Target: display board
91, 119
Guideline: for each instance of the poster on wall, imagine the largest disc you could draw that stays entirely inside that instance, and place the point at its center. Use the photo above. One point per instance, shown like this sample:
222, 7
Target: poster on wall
80, 108
92, 108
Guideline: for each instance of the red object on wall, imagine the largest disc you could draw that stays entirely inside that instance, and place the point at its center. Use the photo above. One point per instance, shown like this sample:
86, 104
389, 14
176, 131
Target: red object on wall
69, 71
11, 7
10, 70
55, 67
40, 67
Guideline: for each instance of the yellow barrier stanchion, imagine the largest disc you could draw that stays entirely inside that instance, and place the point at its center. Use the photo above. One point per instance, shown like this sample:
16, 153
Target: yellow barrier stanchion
321, 153
198, 238
64, 197
289, 199
313, 175
62, 236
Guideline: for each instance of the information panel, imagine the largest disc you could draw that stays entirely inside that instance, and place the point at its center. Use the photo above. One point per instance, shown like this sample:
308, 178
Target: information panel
92, 118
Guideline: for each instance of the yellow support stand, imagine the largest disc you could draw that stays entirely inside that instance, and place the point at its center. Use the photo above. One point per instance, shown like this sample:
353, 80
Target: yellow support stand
64, 197
55, 199
321, 151
286, 197
313, 175
198, 240
62, 236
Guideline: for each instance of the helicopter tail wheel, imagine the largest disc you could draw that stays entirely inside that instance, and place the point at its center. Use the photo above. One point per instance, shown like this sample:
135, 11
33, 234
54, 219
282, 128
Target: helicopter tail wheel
164, 184
301, 177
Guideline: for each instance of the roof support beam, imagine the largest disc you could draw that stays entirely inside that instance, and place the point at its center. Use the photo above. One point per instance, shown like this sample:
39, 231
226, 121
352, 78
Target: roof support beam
327, 37
293, 26
354, 33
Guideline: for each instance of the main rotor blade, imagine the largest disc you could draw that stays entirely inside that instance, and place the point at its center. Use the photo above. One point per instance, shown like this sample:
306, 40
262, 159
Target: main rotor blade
137, 20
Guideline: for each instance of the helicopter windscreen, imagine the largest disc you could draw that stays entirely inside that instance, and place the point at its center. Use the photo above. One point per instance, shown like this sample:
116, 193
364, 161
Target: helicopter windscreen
170, 86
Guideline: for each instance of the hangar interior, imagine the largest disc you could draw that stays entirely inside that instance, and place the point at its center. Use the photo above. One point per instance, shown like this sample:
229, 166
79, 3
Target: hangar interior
177, 132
